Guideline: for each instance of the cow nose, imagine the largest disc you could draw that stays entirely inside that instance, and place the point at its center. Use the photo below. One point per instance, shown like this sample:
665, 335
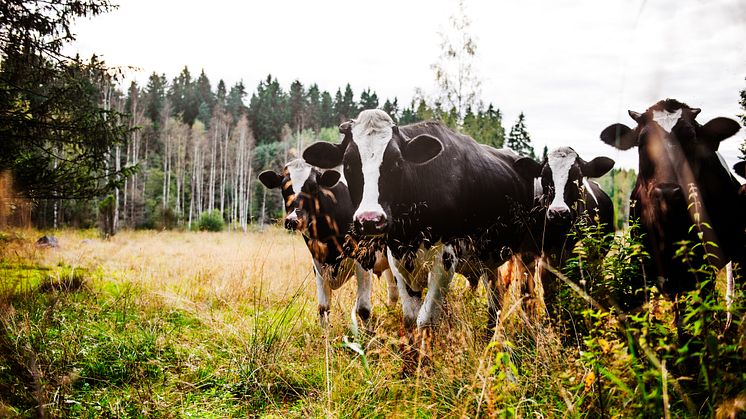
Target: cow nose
558, 214
370, 222
291, 223
667, 192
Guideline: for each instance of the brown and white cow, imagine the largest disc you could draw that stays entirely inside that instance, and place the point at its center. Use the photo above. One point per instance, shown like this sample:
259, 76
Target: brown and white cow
684, 192
317, 204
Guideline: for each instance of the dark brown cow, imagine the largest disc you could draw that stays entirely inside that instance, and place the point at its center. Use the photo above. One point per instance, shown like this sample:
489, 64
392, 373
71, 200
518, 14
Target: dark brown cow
684, 192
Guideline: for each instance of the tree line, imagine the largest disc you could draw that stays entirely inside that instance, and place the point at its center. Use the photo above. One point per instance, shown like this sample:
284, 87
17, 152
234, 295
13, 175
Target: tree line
173, 149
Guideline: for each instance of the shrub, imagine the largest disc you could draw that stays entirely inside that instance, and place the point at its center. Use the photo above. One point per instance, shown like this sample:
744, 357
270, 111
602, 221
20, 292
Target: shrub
211, 221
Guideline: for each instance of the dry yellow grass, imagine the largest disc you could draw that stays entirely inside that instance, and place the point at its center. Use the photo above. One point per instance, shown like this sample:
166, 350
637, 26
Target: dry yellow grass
195, 270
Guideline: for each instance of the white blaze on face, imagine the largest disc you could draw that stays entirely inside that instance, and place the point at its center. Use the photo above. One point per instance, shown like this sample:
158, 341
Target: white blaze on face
299, 171
667, 120
371, 133
560, 161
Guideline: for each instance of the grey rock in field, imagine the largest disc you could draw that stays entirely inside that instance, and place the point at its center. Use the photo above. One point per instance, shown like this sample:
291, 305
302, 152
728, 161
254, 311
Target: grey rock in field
47, 241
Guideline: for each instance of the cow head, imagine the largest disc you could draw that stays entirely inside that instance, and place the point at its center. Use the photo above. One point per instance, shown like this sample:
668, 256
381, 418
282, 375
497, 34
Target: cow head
374, 153
562, 176
300, 183
675, 151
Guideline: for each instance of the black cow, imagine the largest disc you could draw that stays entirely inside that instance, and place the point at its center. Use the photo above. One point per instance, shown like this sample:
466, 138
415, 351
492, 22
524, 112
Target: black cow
436, 196
565, 197
318, 205
683, 192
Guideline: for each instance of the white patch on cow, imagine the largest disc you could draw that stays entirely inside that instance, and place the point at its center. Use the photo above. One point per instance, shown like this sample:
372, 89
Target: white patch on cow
589, 190
439, 279
371, 132
667, 120
560, 161
538, 189
293, 216
323, 290
299, 171
410, 305
363, 294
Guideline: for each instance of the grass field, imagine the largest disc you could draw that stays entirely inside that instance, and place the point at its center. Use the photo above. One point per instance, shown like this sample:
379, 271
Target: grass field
174, 324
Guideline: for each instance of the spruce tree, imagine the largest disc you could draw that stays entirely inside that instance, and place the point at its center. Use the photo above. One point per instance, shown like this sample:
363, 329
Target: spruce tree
327, 112
155, 98
368, 100
313, 104
392, 108
297, 106
234, 101
519, 140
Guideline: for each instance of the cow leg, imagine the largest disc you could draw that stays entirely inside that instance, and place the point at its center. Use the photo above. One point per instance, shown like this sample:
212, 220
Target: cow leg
362, 304
323, 293
410, 300
393, 292
438, 280
494, 300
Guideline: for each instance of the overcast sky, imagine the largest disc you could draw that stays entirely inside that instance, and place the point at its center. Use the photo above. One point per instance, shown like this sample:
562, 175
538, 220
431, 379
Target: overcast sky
573, 67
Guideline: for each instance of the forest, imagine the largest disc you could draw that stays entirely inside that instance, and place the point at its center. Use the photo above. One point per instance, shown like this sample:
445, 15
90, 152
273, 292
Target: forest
181, 146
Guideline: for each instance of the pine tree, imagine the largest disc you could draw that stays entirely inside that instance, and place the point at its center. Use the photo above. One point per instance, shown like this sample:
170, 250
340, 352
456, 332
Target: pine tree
345, 105
155, 97
392, 108
268, 111
368, 100
313, 108
327, 112
519, 140
297, 102
234, 101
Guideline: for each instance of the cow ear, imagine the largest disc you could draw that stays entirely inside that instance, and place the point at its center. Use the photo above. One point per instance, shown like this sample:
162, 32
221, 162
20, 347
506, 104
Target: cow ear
421, 149
637, 116
329, 178
324, 155
528, 167
596, 167
270, 179
619, 136
740, 168
717, 130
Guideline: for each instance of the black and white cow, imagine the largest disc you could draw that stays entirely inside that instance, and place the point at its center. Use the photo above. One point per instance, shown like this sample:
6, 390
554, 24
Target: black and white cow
434, 195
318, 205
684, 191
565, 197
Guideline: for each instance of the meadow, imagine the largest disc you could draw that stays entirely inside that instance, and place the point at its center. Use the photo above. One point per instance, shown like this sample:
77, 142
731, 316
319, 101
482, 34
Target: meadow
187, 324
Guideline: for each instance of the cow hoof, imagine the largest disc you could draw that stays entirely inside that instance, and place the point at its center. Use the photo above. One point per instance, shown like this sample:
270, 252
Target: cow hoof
324, 316
364, 314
